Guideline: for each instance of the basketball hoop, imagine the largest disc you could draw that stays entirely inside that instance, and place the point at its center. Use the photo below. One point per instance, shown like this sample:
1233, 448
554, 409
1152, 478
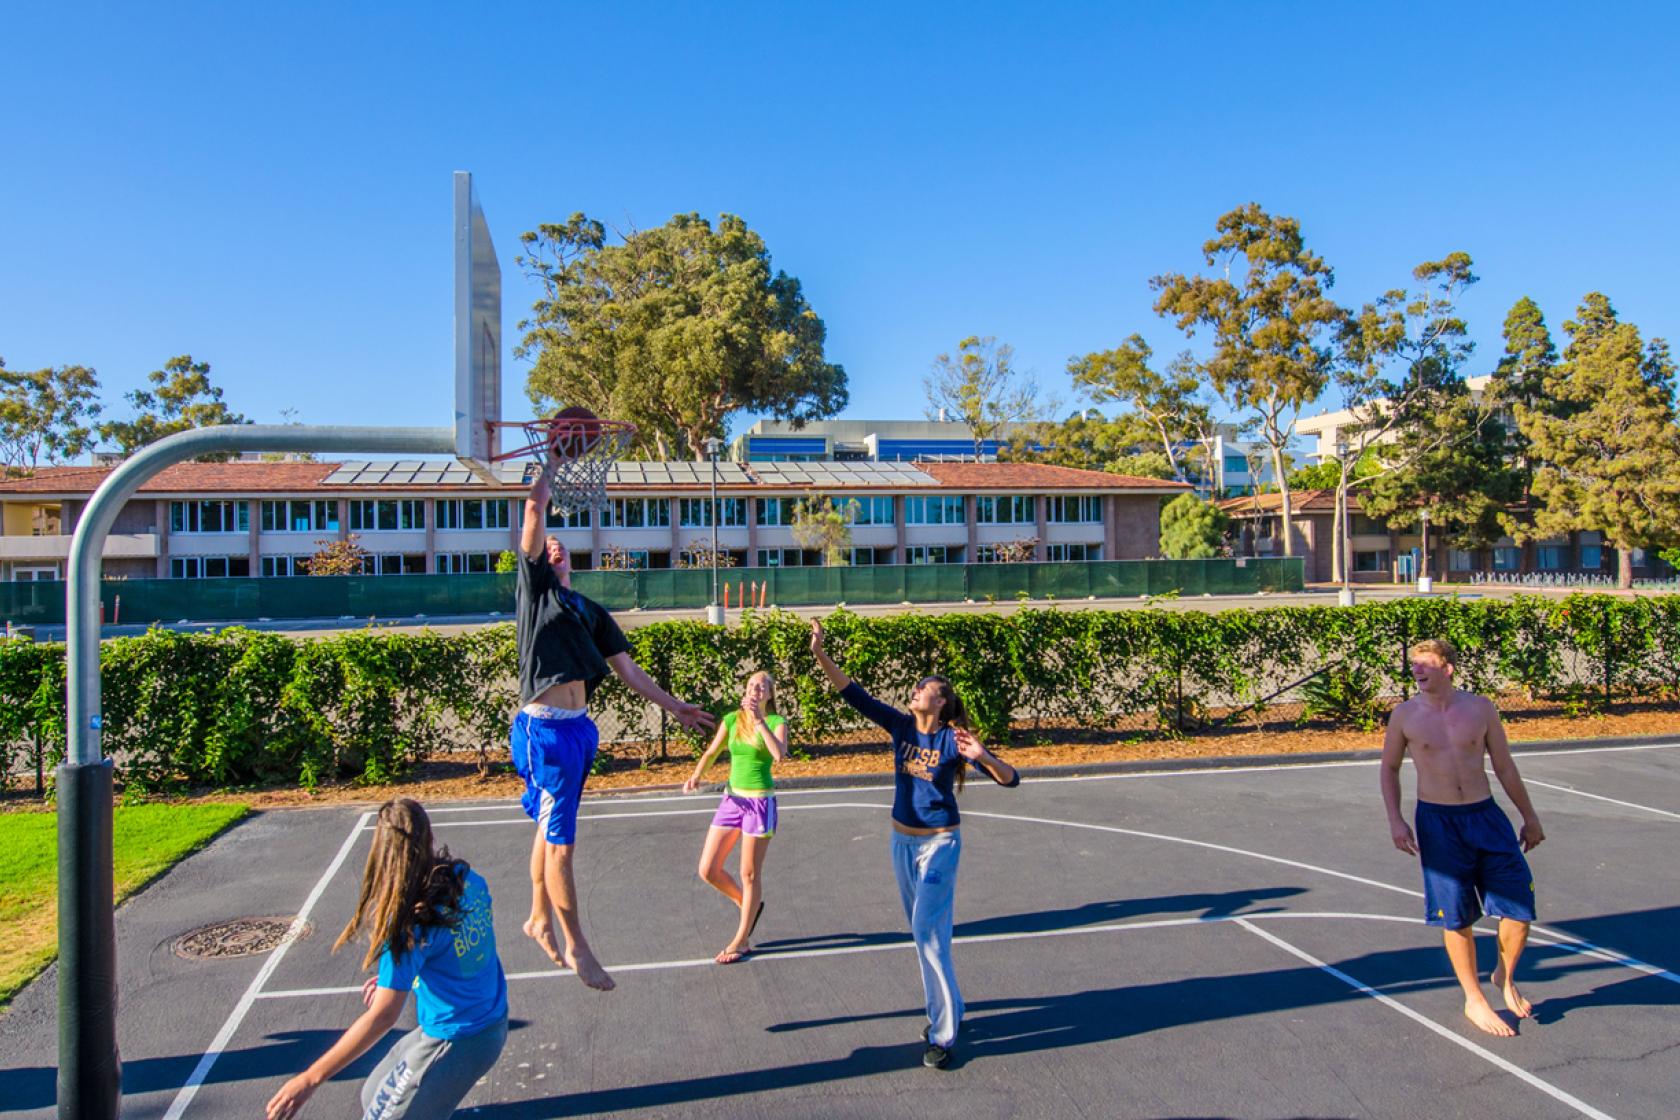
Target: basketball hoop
574, 450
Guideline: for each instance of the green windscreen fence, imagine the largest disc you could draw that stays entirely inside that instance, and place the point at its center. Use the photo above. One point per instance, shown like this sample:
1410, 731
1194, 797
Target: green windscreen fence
144, 601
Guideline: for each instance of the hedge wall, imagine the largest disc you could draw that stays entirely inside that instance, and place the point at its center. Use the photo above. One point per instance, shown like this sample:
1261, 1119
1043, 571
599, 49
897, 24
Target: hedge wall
244, 706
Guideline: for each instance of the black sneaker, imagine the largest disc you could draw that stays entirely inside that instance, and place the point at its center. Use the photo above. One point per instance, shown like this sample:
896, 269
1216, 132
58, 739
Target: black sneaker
936, 1056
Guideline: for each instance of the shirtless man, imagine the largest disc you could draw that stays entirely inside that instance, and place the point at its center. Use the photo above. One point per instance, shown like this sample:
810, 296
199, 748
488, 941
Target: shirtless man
566, 642
1471, 858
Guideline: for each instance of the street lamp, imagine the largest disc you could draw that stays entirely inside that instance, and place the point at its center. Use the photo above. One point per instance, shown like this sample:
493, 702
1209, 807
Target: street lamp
714, 610
1425, 584
1344, 597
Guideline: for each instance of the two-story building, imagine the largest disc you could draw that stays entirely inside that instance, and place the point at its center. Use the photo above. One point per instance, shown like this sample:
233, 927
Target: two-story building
201, 520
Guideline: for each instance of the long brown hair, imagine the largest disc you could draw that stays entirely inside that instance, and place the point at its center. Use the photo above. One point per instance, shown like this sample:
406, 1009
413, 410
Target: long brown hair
952, 713
407, 884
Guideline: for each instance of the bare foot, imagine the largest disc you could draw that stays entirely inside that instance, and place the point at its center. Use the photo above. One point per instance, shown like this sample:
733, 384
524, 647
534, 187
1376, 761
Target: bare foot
1486, 1018
543, 934
589, 970
1514, 1001
733, 954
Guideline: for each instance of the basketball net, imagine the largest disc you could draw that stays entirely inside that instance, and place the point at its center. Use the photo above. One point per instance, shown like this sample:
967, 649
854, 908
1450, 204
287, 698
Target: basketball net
575, 455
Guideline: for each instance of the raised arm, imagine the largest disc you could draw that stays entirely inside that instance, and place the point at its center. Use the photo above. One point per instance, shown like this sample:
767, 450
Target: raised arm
691, 716
531, 529
693, 782
384, 1008
1505, 769
1394, 750
833, 672
989, 764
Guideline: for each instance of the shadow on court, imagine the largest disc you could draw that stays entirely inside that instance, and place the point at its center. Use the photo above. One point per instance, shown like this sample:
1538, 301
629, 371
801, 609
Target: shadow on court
998, 1027
1222, 905
276, 1059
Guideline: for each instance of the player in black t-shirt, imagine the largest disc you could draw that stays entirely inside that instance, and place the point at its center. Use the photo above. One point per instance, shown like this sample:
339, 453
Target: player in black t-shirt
567, 643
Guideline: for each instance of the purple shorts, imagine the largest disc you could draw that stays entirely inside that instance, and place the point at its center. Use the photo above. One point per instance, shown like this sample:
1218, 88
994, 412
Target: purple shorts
754, 816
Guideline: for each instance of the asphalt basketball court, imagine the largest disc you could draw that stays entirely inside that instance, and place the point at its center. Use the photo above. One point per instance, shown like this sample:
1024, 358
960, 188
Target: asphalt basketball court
1209, 943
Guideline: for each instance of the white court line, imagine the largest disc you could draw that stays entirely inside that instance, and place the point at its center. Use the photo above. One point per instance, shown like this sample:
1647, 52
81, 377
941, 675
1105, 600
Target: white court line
899, 942
655, 813
1485, 1054
237, 1015
1202, 771
1601, 797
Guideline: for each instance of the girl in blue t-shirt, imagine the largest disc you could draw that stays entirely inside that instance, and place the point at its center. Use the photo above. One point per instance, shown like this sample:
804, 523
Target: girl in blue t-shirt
429, 929
932, 750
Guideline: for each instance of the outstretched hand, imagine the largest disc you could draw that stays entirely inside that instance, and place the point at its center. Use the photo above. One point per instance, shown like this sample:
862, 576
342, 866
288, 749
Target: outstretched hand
816, 637
693, 717
968, 745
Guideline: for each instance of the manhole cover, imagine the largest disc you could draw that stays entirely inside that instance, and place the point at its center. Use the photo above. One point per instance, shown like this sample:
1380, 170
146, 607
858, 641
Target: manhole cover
237, 938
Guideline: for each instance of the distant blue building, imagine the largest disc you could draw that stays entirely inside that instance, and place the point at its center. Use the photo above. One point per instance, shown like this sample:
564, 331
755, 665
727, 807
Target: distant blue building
875, 441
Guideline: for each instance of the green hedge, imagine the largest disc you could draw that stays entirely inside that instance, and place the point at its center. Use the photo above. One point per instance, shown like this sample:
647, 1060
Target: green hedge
243, 706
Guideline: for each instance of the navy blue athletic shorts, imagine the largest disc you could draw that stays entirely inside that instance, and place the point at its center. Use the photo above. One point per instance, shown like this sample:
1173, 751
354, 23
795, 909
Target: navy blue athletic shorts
1472, 864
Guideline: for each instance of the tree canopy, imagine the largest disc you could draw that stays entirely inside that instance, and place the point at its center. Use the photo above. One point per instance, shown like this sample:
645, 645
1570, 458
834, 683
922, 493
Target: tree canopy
981, 388
46, 414
1168, 401
674, 329
1266, 361
1192, 529
1605, 440
181, 398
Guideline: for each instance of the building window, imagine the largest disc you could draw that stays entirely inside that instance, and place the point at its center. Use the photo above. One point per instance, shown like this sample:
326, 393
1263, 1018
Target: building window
932, 554
776, 511
1015, 509
1551, 557
867, 510
638, 513
1592, 557
285, 565
1507, 558
1375, 560
472, 513
696, 513
395, 564
1085, 510
1460, 560
209, 517
788, 558
869, 557
944, 510
577, 519
462, 563
300, 517
1368, 526
387, 516
1072, 553
208, 567
1236, 464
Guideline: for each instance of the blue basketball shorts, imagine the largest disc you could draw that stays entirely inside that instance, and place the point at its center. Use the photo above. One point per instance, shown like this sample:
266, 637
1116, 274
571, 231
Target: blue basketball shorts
1472, 864
553, 753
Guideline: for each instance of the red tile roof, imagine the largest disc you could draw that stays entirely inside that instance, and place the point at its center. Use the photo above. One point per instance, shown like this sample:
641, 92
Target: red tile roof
1041, 476
1300, 501
182, 478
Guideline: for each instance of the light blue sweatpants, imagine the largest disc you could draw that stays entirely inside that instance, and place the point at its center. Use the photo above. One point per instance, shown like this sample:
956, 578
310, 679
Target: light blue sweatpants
926, 867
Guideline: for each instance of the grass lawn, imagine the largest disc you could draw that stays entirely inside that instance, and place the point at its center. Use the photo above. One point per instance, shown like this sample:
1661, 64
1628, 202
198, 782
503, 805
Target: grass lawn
148, 840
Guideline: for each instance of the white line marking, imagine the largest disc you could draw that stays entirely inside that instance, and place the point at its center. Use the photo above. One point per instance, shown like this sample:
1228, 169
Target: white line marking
899, 942
1601, 797
1486, 1055
655, 813
237, 1015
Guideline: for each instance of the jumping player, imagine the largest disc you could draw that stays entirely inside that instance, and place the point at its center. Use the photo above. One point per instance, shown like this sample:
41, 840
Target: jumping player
757, 739
1472, 860
932, 749
567, 643
430, 930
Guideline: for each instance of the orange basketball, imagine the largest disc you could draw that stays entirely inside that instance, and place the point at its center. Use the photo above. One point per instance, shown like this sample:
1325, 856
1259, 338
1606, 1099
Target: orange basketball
574, 432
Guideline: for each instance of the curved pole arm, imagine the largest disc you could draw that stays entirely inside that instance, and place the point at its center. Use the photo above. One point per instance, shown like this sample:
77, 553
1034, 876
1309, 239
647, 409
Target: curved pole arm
83, 723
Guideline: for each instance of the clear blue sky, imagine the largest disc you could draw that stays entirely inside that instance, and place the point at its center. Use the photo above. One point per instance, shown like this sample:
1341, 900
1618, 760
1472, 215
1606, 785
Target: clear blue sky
268, 186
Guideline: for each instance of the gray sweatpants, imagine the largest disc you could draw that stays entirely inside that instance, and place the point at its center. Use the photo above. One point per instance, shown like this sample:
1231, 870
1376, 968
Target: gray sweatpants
926, 867
424, 1078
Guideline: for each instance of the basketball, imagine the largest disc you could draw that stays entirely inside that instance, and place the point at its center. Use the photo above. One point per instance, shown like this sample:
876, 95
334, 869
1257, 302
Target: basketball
574, 432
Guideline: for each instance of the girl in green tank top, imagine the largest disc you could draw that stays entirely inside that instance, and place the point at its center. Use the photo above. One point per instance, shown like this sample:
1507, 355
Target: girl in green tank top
756, 738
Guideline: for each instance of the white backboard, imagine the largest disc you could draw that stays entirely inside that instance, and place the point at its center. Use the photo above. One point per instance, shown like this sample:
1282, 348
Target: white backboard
478, 329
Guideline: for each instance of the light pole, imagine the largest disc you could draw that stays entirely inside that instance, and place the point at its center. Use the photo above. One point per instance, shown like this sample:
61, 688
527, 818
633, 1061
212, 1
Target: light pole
1425, 584
1344, 597
714, 611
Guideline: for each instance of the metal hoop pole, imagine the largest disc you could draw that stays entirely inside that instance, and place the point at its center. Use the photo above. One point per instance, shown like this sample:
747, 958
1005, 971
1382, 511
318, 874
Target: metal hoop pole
89, 1070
